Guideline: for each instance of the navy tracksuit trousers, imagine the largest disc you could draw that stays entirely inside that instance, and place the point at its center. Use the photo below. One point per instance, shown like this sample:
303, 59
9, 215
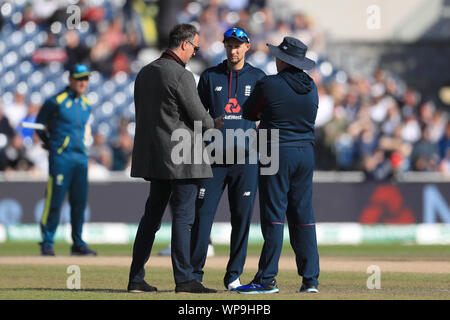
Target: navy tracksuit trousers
289, 194
242, 182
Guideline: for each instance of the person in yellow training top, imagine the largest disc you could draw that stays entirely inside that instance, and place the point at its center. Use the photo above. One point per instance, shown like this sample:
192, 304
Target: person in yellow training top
65, 116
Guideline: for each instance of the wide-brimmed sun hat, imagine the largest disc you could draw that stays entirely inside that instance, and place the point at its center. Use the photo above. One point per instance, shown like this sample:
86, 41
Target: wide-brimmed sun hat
293, 52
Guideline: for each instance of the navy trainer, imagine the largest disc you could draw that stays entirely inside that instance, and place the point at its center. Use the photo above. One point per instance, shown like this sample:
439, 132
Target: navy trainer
46, 250
255, 288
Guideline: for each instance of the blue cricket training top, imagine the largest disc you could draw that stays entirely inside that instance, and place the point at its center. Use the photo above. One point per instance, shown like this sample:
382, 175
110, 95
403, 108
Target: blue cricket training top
224, 91
287, 101
65, 117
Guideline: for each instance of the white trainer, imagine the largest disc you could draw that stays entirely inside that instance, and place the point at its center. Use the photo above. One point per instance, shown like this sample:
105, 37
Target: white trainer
233, 285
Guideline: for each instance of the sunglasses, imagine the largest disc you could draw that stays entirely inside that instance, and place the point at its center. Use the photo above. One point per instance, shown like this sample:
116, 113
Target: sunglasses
82, 79
236, 32
196, 48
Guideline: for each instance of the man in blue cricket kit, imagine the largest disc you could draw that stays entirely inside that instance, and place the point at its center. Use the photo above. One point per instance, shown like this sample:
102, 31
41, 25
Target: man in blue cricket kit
223, 89
65, 116
287, 101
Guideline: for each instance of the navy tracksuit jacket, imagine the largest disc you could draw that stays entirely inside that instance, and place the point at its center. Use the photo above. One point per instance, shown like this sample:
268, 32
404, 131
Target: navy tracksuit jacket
65, 117
223, 91
287, 101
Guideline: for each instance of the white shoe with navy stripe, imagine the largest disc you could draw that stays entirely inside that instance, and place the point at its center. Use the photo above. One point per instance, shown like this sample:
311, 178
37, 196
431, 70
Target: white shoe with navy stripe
232, 286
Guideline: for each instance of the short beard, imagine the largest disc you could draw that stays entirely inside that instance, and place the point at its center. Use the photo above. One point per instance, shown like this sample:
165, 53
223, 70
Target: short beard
230, 61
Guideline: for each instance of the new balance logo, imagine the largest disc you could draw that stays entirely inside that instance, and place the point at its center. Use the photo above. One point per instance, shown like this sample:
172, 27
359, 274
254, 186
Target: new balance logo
218, 89
246, 194
201, 193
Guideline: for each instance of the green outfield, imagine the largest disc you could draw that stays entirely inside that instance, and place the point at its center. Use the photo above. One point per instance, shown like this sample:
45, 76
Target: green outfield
394, 250
25, 275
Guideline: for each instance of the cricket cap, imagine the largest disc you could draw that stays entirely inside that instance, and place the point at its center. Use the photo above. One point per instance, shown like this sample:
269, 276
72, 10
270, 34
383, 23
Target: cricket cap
79, 71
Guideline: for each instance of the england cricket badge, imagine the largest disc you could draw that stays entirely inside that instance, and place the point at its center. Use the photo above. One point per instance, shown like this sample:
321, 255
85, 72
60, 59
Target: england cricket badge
248, 89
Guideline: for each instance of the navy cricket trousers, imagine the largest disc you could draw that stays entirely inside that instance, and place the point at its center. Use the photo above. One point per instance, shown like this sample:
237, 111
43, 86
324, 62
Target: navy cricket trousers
68, 173
181, 195
242, 182
289, 194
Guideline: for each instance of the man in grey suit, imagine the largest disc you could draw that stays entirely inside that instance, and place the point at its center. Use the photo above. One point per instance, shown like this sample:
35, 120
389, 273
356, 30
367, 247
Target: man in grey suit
166, 99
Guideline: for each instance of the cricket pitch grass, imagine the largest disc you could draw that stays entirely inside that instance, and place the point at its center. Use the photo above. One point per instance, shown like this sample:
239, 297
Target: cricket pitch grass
364, 272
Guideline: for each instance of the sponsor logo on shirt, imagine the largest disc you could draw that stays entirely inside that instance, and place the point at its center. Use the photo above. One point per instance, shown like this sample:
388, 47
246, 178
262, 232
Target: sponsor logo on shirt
232, 106
233, 117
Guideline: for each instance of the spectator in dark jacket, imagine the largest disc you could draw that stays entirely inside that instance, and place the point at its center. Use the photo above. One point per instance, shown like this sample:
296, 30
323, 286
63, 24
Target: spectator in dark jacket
425, 153
444, 142
75, 50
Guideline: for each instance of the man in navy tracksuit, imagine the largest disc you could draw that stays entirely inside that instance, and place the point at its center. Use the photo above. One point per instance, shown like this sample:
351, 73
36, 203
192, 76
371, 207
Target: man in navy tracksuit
288, 102
223, 89
66, 115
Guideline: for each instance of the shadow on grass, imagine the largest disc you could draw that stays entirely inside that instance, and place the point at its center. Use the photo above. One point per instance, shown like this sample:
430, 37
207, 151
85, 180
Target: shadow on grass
82, 290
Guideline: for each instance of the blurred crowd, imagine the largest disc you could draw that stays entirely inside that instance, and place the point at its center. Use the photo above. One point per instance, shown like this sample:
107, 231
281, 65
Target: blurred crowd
380, 126
375, 124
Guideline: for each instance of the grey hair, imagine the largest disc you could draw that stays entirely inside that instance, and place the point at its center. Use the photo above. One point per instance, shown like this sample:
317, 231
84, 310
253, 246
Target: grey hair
180, 33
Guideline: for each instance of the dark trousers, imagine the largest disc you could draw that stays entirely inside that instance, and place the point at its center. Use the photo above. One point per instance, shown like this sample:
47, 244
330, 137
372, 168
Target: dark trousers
289, 194
68, 173
242, 182
181, 195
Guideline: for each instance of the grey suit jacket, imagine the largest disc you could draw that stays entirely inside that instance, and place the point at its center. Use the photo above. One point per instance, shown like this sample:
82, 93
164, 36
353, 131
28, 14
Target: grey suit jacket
166, 99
